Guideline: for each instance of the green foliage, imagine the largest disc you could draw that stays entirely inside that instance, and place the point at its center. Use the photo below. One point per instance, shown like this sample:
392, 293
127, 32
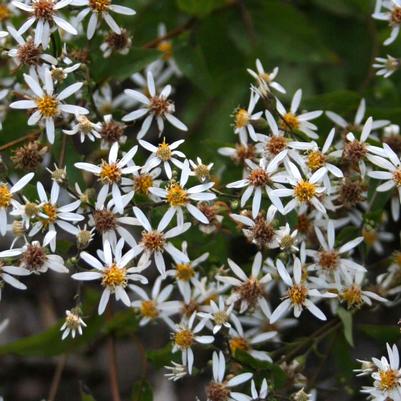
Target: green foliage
142, 391
346, 318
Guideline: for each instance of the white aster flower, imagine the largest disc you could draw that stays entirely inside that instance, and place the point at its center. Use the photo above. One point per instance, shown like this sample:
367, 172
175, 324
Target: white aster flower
249, 290
260, 179
262, 393
386, 66
7, 194
304, 191
387, 377
101, 9
7, 272
178, 197
113, 272
221, 387
155, 106
72, 325
291, 120
85, 129
218, 315
111, 172
200, 170
156, 305
48, 105
51, 214
164, 154
154, 242
45, 13
184, 338
266, 80
391, 14
298, 294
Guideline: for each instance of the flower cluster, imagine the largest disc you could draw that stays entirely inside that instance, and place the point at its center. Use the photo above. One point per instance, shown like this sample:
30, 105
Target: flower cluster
133, 212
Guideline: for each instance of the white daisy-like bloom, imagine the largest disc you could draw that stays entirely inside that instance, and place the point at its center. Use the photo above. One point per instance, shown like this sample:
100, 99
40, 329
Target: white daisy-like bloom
154, 242
262, 393
45, 13
245, 340
358, 122
7, 194
386, 376
260, 179
156, 305
109, 223
164, 154
46, 104
113, 272
287, 238
7, 272
176, 372
304, 192
3, 106
185, 273
218, 315
179, 197
391, 14
85, 129
266, 80
291, 120
72, 325
25, 211
200, 170
259, 230
101, 9
27, 52
35, 257
350, 291
391, 176
248, 290
330, 260
184, 338
221, 387
155, 106
111, 172
386, 66
243, 119
52, 215
298, 294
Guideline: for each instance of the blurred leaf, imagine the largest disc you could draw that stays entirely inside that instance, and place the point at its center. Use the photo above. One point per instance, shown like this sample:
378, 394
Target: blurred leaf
382, 333
122, 67
85, 396
346, 318
142, 391
199, 8
160, 357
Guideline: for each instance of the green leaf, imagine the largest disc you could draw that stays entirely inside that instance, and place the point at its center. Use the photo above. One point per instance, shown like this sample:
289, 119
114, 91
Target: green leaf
346, 318
160, 357
199, 8
142, 391
122, 67
382, 333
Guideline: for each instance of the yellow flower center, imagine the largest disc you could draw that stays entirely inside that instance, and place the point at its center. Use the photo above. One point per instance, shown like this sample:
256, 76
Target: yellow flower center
48, 106
264, 76
99, 6
316, 160
241, 118
289, 121
184, 338
5, 195
50, 211
184, 271
388, 379
72, 320
164, 151
287, 242
396, 16
397, 177
142, 183
305, 191
148, 309
114, 276
220, 317
176, 195
85, 124
166, 47
369, 235
5, 13
297, 294
238, 343
110, 173
352, 296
